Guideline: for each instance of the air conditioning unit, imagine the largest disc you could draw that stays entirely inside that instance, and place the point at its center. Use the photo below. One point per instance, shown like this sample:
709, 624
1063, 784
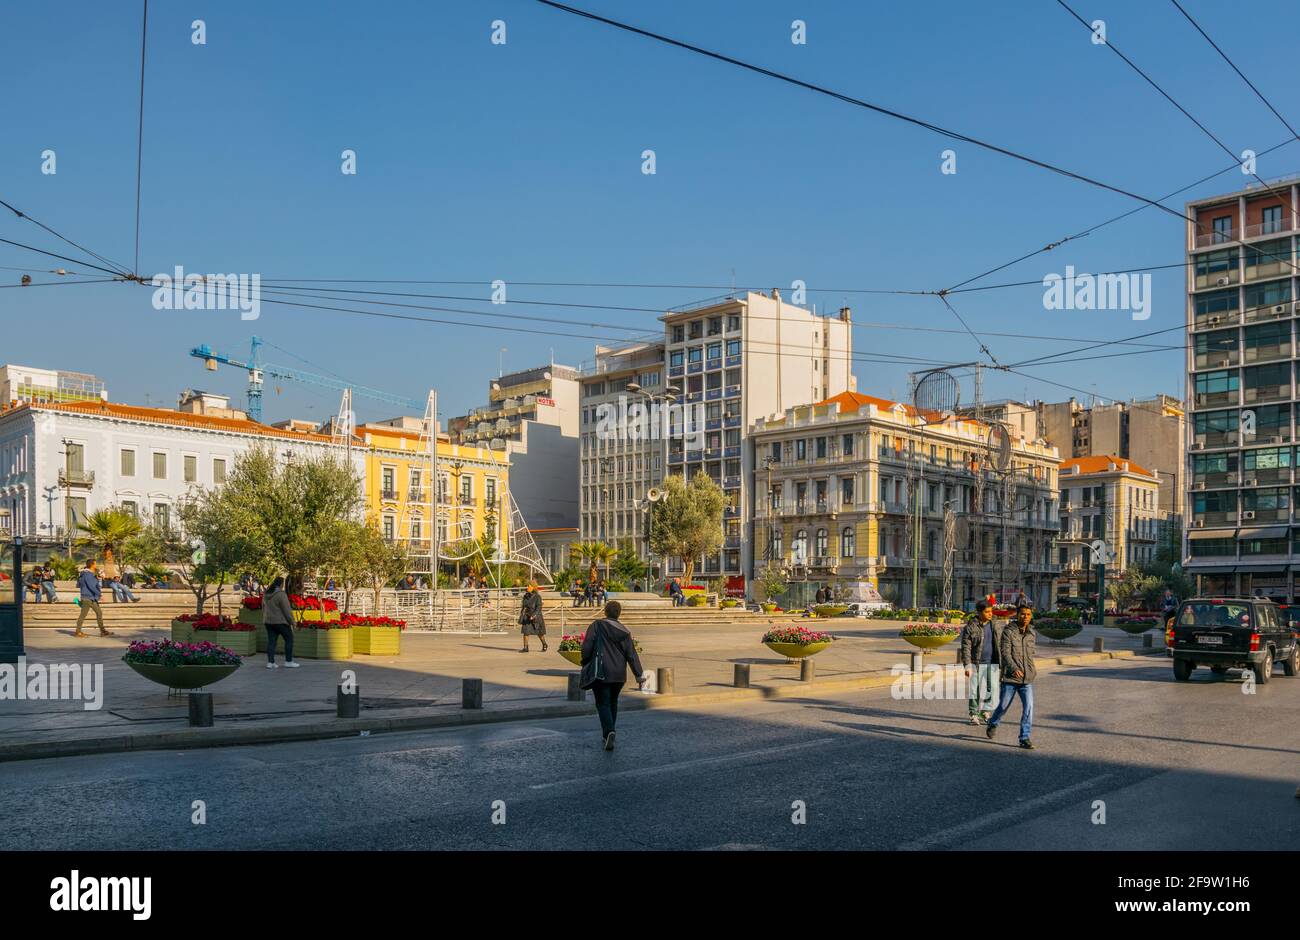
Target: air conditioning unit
1198, 445
1214, 320
1250, 481
1223, 362
1198, 523
1231, 437
1248, 515
1200, 485
1275, 439
1296, 306
1279, 309
1223, 282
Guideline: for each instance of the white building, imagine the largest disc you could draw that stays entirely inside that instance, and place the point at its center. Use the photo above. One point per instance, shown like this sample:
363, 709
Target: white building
26, 383
62, 460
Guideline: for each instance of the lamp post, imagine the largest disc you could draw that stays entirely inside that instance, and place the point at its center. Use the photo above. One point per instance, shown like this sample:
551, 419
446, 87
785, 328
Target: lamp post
11, 615
666, 397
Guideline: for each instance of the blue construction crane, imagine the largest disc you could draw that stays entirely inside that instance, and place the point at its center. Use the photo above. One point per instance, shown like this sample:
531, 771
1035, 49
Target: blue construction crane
256, 369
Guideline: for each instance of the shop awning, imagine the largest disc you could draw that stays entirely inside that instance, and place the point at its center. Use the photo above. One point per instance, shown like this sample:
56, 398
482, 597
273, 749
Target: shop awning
1262, 532
1198, 534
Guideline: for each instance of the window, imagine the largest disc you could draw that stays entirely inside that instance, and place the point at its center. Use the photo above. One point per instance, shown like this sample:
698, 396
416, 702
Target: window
1222, 229
130, 505
490, 490
1276, 252
776, 451
675, 358
695, 329
389, 527
466, 488
1216, 262
800, 449
695, 354
822, 548
821, 447
159, 466
846, 445
128, 463
218, 469
799, 547
389, 484
1270, 219
715, 326
847, 542
733, 323
162, 516
679, 334
190, 467
1268, 294
713, 351
733, 347
416, 530
846, 491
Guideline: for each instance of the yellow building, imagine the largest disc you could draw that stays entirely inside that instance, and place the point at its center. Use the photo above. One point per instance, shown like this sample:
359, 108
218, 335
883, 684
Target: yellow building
472, 491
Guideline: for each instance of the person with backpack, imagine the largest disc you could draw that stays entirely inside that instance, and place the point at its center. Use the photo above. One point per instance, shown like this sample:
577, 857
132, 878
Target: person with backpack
1016, 653
607, 651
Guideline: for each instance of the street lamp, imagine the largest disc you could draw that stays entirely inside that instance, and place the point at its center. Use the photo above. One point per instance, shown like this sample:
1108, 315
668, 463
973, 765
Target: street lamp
667, 397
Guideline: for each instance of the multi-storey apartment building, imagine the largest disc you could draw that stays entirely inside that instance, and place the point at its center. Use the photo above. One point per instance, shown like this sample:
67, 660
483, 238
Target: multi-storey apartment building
733, 361
535, 412
62, 460
617, 471
471, 494
1241, 310
1113, 500
845, 482
25, 383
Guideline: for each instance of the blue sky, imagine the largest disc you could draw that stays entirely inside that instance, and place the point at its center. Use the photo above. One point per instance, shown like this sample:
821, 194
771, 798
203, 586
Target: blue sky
523, 162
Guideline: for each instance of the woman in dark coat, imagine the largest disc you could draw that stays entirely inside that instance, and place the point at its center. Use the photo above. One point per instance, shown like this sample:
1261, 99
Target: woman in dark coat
617, 653
531, 621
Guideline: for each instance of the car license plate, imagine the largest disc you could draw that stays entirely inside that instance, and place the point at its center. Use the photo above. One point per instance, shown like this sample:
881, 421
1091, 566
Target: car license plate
1210, 640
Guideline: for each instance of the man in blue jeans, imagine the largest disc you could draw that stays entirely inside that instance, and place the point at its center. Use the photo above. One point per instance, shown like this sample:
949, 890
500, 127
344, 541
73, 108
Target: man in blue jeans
1016, 651
88, 585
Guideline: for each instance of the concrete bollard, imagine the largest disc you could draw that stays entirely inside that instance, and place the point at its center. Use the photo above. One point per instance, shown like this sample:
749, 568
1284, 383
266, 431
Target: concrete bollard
740, 677
200, 709
471, 693
576, 692
1146, 641
807, 669
349, 705
918, 662
1099, 644
664, 679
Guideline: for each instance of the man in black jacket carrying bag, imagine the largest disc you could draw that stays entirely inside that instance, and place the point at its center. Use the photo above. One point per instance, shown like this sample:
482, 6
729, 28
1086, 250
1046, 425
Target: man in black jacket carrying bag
1016, 651
607, 651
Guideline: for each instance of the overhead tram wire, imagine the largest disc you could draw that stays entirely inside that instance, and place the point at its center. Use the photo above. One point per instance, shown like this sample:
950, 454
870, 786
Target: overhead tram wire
1168, 97
63, 282
1259, 94
116, 268
139, 143
124, 275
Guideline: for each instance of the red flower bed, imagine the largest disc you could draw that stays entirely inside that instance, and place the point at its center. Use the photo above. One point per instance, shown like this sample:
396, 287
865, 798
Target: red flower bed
215, 622
358, 620
252, 602
298, 602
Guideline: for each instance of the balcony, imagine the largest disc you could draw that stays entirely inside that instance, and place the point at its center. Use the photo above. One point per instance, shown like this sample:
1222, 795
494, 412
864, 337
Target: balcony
1214, 481
1214, 321
677, 457
84, 478
733, 360
1217, 360
713, 394
1258, 476
1269, 266
713, 424
1265, 353
693, 368
732, 391
1257, 516
1270, 227
731, 451
731, 483
1215, 399
1260, 393
731, 541
1212, 439
1212, 520
416, 495
676, 372
1217, 279
731, 421
1210, 239
730, 512
711, 364
1270, 312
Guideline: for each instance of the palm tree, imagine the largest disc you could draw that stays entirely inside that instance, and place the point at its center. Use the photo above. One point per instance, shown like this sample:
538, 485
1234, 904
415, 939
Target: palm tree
604, 553
108, 528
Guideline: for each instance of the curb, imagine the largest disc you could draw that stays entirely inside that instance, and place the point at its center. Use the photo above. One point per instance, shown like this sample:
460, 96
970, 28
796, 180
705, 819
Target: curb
350, 727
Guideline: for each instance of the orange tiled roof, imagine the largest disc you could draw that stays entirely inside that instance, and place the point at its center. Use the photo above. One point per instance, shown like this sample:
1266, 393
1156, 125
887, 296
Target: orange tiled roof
178, 419
1101, 464
852, 402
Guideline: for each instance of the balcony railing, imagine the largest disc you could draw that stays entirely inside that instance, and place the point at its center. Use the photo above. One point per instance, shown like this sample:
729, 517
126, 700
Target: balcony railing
1218, 279
388, 494
1270, 227
1215, 238
76, 477
1261, 353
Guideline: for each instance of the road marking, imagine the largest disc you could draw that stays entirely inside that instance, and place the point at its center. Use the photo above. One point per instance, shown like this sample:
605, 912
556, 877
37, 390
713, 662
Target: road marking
698, 762
945, 836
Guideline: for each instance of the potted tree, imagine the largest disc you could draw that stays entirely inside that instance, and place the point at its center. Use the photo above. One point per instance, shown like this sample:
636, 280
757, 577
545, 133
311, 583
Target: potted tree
772, 584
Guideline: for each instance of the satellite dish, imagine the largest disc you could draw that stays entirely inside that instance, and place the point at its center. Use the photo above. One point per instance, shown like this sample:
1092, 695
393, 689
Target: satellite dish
937, 393
654, 494
999, 442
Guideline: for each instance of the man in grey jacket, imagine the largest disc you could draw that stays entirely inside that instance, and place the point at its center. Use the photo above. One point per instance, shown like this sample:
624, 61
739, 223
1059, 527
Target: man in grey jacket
277, 616
1017, 650
980, 639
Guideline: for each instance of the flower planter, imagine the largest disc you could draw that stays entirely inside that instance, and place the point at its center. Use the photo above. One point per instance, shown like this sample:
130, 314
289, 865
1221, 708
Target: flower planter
1057, 632
322, 644
182, 632
374, 641
183, 677
1136, 628
930, 642
243, 642
310, 616
769, 608
573, 656
796, 650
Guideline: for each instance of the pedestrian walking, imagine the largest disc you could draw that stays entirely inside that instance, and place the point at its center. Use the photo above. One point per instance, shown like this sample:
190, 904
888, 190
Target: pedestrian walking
980, 637
531, 620
1016, 652
88, 585
277, 615
607, 651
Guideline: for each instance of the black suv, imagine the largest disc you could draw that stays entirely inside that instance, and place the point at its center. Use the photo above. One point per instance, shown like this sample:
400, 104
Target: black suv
1226, 633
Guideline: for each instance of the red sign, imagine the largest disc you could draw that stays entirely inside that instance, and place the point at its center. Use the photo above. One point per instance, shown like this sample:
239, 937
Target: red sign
546, 401
735, 586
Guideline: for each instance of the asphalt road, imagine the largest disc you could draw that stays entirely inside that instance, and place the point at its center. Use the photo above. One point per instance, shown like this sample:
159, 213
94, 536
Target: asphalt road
1178, 766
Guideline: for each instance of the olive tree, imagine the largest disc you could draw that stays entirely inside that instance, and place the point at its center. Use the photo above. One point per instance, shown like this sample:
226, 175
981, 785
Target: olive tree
687, 521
